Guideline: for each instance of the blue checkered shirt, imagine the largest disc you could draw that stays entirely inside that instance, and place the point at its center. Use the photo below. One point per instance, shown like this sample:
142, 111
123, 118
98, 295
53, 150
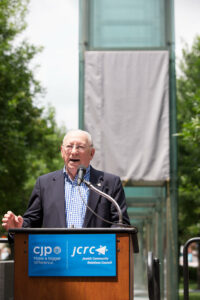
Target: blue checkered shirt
74, 206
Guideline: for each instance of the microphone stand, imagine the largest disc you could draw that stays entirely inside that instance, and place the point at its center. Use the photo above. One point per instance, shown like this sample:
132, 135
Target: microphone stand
108, 197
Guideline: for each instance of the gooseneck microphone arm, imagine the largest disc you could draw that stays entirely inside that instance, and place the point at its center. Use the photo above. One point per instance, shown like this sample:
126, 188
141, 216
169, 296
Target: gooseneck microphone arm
108, 197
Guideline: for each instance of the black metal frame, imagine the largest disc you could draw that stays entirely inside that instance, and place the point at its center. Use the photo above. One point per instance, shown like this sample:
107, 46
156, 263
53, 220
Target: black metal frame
185, 266
153, 273
4, 240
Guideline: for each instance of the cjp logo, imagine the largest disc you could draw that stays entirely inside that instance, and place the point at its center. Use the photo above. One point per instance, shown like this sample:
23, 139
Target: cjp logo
46, 250
89, 250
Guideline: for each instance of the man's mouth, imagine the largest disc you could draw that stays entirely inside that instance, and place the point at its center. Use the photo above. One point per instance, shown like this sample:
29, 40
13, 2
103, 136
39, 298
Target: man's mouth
74, 160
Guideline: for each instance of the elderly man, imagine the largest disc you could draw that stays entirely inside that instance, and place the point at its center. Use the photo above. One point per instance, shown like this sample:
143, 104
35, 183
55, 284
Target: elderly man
56, 201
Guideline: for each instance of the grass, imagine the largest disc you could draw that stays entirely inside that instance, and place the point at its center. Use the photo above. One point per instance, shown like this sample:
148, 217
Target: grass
192, 296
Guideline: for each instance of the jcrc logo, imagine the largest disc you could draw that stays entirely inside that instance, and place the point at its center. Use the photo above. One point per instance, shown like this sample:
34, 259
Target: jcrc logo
89, 250
46, 250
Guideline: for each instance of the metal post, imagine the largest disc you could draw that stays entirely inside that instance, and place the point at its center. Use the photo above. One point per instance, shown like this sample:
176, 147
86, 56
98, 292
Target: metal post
185, 266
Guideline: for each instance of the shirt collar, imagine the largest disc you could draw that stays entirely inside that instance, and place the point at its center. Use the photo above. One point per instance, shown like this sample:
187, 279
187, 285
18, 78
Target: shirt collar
87, 174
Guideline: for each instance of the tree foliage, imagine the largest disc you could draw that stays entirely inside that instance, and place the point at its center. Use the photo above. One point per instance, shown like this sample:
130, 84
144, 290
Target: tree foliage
188, 95
29, 136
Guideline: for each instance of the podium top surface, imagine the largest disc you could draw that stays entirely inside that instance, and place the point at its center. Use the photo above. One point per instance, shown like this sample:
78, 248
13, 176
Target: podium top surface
130, 230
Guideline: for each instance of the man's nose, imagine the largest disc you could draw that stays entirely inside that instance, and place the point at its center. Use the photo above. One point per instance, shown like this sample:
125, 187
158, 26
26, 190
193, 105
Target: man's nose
74, 149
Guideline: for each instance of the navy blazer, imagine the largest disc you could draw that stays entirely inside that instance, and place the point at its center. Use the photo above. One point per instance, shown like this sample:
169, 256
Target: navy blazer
46, 207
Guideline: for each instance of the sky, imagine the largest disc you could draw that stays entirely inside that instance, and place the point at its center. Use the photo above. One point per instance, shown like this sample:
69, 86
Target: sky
54, 25
187, 23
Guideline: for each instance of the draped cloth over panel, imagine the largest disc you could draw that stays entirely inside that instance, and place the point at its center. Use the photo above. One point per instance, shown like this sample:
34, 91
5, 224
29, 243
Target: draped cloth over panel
126, 110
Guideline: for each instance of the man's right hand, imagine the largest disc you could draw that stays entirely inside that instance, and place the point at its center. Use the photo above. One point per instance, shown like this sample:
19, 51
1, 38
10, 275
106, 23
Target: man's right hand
10, 220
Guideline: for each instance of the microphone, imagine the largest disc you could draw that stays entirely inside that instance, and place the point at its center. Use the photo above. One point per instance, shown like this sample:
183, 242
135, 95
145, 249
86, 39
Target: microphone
81, 173
108, 197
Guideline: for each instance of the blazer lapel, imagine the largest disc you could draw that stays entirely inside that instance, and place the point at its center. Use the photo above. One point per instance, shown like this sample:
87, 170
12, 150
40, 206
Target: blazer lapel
97, 181
58, 183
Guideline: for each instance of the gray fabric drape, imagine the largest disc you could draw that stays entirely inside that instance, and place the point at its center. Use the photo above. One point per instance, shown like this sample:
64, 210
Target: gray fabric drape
126, 110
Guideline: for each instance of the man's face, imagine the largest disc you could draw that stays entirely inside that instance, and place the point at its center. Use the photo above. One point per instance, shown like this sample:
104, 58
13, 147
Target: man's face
76, 150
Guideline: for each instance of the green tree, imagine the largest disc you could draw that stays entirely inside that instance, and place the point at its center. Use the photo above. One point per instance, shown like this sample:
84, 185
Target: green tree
188, 95
29, 136
188, 92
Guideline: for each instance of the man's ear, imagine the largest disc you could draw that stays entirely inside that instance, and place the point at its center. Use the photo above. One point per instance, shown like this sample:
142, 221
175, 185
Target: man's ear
92, 153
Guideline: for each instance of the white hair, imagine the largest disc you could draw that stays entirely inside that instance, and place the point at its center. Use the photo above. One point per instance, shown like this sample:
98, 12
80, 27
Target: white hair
89, 137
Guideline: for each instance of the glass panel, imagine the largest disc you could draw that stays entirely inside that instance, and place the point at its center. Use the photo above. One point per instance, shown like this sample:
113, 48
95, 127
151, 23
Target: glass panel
146, 209
127, 23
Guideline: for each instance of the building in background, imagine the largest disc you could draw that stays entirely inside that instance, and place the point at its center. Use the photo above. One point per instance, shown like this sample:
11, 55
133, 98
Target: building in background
127, 101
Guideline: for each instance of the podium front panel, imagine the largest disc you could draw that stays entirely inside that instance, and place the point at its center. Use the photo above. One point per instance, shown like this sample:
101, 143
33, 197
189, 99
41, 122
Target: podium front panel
118, 287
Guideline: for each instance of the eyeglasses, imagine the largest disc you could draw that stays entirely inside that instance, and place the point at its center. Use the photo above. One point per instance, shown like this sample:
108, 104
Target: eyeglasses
79, 148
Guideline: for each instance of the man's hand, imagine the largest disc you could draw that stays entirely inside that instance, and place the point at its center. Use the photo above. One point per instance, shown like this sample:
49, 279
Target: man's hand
10, 220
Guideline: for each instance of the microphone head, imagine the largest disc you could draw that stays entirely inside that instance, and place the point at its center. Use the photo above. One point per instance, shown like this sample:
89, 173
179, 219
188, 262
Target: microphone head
83, 168
81, 173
